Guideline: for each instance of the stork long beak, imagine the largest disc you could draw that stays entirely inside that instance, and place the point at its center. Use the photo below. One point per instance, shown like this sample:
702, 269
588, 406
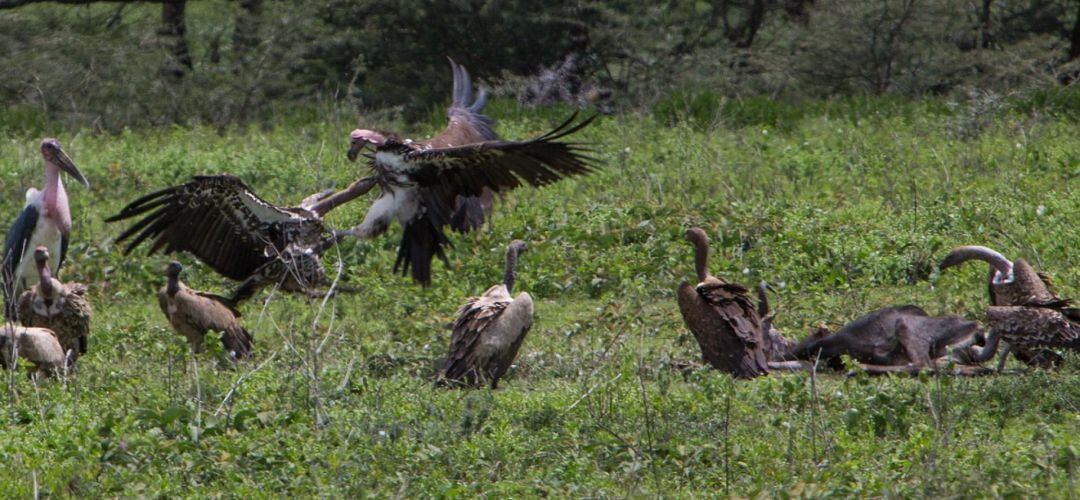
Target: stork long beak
65, 164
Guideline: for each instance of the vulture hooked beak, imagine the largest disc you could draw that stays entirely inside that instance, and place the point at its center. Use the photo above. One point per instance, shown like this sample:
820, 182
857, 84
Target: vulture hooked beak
56, 155
360, 138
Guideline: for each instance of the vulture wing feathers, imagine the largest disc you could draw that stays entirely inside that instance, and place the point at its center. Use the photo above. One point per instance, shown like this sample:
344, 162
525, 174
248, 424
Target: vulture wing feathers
727, 327
220, 220
475, 316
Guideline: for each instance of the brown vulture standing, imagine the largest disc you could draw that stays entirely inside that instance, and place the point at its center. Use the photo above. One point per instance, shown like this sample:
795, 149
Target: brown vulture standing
489, 331
449, 179
722, 318
1024, 311
60, 307
192, 313
220, 220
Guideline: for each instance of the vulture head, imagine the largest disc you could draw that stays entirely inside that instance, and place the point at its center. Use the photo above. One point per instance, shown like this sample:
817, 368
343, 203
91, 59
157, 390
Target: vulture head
172, 272
56, 157
514, 249
1011, 283
361, 138
48, 289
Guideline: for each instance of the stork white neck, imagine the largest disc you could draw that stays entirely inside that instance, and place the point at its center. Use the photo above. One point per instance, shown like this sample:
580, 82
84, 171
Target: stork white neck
55, 198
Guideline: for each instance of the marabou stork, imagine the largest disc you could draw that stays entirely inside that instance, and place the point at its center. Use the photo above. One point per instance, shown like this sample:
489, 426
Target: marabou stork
489, 331
449, 179
45, 220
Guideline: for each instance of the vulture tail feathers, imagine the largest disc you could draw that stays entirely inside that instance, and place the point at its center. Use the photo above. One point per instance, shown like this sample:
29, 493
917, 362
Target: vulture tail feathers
421, 241
238, 341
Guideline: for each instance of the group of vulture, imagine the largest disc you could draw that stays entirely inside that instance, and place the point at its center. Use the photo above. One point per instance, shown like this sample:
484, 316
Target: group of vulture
1025, 313
450, 181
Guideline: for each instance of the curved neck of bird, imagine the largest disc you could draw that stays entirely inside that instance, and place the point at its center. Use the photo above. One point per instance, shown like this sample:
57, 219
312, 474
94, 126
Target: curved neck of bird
45, 282
510, 273
56, 204
701, 259
174, 286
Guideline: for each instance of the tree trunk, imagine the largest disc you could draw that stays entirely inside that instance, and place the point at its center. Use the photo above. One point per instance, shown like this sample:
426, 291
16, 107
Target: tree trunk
246, 28
172, 33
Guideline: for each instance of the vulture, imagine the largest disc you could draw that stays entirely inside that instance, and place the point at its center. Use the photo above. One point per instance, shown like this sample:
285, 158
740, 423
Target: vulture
1025, 311
222, 222
722, 318
192, 313
449, 179
45, 220
39, 346
60, 307
489, 331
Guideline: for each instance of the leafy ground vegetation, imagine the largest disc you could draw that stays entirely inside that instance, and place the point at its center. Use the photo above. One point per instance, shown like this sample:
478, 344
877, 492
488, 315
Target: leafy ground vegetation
845, 206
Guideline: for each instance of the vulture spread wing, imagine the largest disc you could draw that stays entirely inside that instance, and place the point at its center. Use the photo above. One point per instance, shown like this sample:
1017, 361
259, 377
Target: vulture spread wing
220, 220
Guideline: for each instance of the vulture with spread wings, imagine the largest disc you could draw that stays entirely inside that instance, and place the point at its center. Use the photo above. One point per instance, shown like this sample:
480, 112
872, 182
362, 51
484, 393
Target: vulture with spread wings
222, 222
449, 179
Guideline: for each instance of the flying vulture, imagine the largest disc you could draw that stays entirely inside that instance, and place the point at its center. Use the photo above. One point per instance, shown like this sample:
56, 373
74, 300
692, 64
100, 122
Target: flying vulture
722, 318
192, 313
60, 307
220, 220
449, 179
45, 220
489, 331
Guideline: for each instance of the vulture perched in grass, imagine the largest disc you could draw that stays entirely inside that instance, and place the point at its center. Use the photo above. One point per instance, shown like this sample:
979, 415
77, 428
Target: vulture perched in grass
192, 313
489, 331
222, 222
45, 220
39, 346
60, 307
722, 318
449, 179
1025, 311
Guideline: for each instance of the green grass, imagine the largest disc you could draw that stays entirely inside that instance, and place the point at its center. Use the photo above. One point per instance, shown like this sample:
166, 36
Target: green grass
844, 209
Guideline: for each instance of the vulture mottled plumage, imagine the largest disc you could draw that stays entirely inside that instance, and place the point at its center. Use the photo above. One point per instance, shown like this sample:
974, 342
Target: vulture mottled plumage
60, 307
449, 179
220, 220
192, 313
722, 318
489, 331
1025, 311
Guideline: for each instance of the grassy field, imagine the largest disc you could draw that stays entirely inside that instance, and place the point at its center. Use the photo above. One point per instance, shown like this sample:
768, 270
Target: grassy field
845, 209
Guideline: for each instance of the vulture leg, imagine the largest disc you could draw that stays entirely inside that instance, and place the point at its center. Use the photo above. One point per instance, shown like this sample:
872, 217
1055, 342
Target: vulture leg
377, 219
312, 199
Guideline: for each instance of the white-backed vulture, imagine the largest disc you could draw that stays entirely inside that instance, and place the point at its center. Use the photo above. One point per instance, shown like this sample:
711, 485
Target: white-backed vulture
1025, 311
449, 179
489, 331
722, 318
192, 313
45, 220
39, 346
60, 307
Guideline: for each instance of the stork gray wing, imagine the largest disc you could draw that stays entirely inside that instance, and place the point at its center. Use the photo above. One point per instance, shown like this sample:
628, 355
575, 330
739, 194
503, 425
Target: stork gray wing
221, 221
15, 245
